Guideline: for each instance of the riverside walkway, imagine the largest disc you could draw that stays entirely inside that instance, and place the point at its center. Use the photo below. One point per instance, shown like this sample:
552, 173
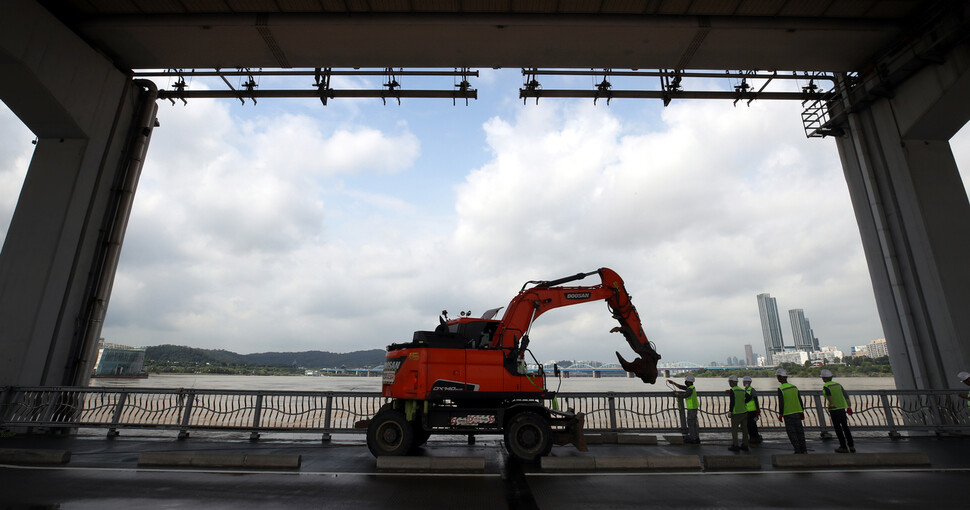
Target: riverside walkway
228, 471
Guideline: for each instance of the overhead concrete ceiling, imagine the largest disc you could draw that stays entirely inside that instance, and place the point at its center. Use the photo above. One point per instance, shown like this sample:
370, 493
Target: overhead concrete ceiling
809, 35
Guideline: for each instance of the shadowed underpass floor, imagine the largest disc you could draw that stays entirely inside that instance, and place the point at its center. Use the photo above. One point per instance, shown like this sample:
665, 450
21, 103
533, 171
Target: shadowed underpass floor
131, 472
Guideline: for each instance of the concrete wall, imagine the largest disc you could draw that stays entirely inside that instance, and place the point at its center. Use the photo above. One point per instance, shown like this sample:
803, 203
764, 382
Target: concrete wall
914, 217
80, 107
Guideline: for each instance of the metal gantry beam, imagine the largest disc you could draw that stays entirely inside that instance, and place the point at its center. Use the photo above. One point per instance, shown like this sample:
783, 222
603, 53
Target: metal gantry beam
322, 88
671, 85
663, 84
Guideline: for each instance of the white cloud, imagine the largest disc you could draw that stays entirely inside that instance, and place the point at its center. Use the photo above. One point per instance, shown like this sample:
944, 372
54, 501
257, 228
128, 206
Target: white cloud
233, 233
15, 152
698, 218
258, 232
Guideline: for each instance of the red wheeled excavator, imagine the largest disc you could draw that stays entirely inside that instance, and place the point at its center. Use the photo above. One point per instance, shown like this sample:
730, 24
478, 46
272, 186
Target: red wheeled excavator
469, 375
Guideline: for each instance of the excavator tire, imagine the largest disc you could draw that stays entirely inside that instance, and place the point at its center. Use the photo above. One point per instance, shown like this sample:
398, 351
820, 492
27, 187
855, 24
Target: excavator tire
528, 437
389, 433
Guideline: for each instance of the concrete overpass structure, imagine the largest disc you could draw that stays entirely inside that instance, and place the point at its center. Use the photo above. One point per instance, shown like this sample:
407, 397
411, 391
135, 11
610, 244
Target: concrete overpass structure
902, 90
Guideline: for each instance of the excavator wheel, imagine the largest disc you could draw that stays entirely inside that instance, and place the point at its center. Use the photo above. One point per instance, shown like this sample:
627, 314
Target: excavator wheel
528, 437
389, 433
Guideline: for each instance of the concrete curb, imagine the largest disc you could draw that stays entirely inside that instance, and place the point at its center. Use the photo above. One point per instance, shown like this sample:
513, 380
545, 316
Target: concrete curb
636, 439
631, 463
431, 464
716, 462
568, 463
674, 439
34, 457
817, 460
601, 438
218, 460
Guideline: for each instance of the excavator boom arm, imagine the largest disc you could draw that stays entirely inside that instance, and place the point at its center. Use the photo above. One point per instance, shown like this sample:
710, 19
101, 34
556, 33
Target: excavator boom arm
532, 302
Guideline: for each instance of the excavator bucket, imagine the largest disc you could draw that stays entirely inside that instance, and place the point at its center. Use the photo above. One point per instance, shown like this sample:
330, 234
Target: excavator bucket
645, 366
647, 372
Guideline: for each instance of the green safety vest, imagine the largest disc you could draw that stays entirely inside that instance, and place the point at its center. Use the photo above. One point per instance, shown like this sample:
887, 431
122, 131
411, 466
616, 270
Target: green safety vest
837, 398
739, 405
793, 404
691, 402
753, 405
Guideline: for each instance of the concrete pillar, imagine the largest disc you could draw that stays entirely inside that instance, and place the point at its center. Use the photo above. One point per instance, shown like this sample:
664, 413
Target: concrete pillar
57, 262
914, 216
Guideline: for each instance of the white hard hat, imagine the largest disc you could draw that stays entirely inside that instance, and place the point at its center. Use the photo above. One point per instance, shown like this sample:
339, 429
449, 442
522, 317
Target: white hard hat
781, 372
825, 373
963, 376
689, 378
733, 378
746, 378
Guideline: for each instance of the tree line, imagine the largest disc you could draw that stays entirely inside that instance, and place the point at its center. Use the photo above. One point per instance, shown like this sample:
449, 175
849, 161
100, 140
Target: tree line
852, 367
179, 359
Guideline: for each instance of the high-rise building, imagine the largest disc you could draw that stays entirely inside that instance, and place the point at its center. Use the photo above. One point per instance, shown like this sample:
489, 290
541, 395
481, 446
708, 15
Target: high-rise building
749, 358
877, 348
770, 326
802, 331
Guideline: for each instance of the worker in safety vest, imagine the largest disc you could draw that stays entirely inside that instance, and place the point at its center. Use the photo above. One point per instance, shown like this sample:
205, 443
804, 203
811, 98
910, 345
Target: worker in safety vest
689, 395
754, 410
738, 409
965, 378
838, 404
790, 411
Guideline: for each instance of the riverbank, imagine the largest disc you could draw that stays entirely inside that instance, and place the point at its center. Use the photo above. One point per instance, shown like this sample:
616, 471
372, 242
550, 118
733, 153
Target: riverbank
852, 367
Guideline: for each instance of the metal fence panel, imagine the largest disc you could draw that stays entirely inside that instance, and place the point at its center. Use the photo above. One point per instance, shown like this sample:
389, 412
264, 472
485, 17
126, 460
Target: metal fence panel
329, 412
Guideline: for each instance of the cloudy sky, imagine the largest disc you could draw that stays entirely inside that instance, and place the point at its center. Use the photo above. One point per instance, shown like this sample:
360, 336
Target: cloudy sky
291, 226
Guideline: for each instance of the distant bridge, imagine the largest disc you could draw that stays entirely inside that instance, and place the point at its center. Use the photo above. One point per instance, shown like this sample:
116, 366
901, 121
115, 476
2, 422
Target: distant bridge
574, 370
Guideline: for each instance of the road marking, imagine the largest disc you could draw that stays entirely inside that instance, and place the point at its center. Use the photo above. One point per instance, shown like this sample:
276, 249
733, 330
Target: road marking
771, 472
478, 475
242, 472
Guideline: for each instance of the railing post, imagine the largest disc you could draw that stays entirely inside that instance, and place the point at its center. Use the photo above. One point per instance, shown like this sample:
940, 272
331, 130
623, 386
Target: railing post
48, 416
186, 414
935, 409
6, 403
820, 410
326, 418
611, 398
122, 400
257, 414
888, 410
682, 414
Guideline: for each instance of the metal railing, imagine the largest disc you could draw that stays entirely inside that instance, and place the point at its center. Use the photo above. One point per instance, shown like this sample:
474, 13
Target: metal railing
328, 412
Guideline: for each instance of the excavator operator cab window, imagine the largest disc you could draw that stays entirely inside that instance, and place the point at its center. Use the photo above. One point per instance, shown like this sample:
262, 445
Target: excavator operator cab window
478, 333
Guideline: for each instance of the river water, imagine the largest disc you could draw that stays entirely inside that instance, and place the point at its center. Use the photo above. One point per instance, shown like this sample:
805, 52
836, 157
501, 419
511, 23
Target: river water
373, 384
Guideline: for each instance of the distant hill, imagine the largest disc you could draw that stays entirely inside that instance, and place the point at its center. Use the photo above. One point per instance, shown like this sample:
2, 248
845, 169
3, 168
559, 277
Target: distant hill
307, 359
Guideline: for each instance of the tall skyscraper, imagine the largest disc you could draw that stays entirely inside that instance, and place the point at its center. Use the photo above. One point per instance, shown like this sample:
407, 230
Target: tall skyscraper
770, 326
749, 358
802, 331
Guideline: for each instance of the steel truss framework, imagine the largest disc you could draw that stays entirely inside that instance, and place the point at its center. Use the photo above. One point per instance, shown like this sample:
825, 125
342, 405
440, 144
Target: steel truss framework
813, 89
